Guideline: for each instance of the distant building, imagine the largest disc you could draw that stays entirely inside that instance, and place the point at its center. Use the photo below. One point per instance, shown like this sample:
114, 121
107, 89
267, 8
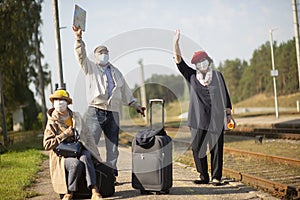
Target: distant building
18, 119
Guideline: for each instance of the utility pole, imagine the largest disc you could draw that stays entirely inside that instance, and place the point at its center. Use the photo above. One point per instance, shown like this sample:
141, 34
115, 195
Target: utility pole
296, 28
4, 129
143, 90
58, 45
274, 72
51, 86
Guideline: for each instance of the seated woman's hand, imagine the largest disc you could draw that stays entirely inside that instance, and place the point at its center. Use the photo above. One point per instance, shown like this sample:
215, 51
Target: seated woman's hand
69, 131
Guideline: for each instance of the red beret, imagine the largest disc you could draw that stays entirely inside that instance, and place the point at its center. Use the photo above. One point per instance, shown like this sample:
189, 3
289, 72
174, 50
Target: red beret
199, 55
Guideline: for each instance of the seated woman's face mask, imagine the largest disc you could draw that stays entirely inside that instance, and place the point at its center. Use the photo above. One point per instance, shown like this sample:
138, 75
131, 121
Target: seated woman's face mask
60, 105
203, 66
101, 59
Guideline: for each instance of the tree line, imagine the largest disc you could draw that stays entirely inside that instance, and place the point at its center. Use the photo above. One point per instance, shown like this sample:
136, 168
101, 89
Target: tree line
167, 87
19, 22
248, 79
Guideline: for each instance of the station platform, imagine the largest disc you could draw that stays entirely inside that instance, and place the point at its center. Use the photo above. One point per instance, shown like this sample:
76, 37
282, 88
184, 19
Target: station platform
183, 186
270, 121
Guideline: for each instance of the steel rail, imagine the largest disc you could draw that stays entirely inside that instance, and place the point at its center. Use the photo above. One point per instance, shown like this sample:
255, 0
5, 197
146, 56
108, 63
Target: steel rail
278, 159
277, 189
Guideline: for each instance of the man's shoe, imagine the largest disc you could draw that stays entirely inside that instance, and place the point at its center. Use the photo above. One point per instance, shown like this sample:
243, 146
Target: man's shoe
96, 196
216, 182
198, 182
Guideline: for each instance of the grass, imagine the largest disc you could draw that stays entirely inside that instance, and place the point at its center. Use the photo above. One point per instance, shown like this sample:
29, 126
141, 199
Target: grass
19, 166
283, 148
174, 109
263, 100
259, 100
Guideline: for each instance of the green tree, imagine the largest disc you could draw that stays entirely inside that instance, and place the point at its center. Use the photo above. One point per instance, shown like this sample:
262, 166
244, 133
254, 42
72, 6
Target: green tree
168, 87
246, 87
244, 81
18, 20
232, 71
286, 63
261, 65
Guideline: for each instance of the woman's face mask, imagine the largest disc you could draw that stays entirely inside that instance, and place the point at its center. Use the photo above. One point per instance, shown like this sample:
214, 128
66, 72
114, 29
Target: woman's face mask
102, 59
203, 66
60, 105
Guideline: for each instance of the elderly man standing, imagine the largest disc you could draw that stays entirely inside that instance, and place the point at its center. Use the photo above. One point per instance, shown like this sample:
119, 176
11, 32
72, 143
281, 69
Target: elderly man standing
107, 90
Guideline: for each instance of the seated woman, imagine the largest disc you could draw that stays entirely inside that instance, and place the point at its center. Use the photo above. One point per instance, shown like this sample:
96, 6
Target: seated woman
65, 172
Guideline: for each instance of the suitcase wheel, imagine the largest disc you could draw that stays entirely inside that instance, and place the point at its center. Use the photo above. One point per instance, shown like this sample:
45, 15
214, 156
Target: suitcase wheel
155, 192
144, 192
162, 192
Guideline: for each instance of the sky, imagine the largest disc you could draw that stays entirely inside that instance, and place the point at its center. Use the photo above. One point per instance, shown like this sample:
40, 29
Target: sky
143, 29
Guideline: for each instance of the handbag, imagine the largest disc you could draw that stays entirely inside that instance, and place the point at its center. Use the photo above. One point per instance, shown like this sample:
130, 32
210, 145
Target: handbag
69, 149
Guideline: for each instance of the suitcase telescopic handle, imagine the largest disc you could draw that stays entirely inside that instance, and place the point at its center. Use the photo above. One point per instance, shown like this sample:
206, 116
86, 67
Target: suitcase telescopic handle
151, 101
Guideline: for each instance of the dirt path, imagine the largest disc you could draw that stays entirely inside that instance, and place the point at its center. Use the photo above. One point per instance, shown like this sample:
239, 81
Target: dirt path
43, 185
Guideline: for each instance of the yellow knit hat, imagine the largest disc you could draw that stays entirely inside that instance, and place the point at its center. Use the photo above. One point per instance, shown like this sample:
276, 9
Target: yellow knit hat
61, 94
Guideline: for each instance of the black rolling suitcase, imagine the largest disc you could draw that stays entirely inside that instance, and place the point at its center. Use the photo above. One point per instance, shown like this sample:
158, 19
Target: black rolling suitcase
105, 179
152, 158
105, 182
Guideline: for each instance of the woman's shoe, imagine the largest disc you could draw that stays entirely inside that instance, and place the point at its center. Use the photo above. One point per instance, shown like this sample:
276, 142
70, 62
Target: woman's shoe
96, 196
67, 197
216, 182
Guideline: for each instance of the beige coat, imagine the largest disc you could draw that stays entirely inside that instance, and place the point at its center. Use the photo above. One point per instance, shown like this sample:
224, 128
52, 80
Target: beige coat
53, 135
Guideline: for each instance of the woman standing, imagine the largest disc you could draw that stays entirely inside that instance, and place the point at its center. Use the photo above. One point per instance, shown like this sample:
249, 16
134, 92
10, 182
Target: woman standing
209, 103
65, 172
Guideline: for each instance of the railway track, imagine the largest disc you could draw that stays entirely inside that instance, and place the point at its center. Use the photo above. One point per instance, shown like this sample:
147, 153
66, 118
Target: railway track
274, 133
277, 175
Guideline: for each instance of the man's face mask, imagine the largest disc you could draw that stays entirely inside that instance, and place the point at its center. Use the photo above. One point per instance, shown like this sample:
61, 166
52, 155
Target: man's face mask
101, 59
60, 105
203, 66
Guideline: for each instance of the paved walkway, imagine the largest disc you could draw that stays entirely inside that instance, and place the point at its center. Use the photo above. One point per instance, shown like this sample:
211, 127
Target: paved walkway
183, 188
